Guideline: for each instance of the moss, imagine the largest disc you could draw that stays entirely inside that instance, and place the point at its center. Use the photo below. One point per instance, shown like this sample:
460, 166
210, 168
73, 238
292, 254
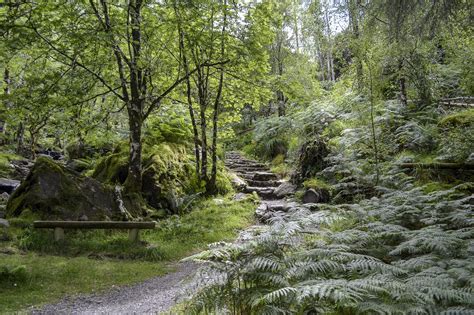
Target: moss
316, 183
413, 157
436, 186
279, 159
5, 159
223, 183
112, 168
462, 118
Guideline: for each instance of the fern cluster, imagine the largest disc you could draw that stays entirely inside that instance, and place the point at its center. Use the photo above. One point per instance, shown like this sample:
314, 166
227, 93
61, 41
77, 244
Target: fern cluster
405, 252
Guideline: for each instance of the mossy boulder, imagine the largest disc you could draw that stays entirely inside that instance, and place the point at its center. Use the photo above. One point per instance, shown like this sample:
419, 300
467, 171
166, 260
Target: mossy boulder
51, 191
168, 173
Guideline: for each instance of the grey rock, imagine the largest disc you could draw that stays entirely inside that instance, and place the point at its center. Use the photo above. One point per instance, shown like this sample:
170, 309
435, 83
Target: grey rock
55, 193
285, 189
4, 197
237, 182
4, 223
263, 176
470, 158
261, 211
2, 214
8, 185
240, 196
316, 196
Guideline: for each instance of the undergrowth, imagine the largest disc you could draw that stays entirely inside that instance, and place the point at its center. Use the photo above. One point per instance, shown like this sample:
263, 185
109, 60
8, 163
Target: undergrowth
406, 252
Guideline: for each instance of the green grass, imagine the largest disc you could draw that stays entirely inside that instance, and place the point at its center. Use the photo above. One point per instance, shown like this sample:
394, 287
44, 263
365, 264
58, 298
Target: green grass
48, 278
89, 261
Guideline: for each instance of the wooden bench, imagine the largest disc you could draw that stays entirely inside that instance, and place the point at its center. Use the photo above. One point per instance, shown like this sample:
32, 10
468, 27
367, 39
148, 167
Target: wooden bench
59, 227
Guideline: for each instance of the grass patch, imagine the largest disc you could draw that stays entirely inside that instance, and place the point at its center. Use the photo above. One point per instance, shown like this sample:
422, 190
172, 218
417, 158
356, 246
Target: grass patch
89, 261
48, 278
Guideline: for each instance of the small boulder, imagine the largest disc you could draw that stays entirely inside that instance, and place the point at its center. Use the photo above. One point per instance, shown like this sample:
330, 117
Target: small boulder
4, 197
238, 183
285, 189
51, 191
4, 224
261, 211
316, 196
240, 196
8, 185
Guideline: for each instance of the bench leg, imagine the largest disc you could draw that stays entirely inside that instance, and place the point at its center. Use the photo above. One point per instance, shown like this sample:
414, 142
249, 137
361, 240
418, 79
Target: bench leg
133, 235
58, 234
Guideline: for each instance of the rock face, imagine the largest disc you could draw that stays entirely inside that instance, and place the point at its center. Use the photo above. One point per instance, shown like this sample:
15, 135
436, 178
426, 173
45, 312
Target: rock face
285, 189
50, 191
316, 196
8, 185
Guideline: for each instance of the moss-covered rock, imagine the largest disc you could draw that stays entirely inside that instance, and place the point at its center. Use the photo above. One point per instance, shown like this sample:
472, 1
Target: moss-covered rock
168, 173
51, 191
462, 118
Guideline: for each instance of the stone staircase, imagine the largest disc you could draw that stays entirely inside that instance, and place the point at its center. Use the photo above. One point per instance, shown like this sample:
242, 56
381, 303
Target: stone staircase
257, 176
276, 195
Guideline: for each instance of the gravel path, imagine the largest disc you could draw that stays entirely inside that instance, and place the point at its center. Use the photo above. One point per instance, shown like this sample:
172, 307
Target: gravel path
153, 296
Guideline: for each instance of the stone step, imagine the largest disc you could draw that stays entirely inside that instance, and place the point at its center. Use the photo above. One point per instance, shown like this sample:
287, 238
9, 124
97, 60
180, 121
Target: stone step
249, 169
263, 176
264, 183
254, 166
265, 193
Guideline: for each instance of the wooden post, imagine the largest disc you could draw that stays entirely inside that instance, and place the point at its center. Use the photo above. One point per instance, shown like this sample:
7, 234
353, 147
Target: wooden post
58, 234
133, 235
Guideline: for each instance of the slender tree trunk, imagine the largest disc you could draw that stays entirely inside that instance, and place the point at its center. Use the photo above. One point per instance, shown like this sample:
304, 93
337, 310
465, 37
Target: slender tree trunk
20, 135
203, 144
354, 19
372, 124
134, 177
281, 103
212, 188
402, 85
188, 95
6, 90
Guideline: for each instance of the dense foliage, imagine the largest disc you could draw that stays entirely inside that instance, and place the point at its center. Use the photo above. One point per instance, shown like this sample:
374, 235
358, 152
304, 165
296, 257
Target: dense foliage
368, 101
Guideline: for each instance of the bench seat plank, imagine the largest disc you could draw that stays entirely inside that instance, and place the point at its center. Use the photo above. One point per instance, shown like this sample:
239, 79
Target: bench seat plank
93, 225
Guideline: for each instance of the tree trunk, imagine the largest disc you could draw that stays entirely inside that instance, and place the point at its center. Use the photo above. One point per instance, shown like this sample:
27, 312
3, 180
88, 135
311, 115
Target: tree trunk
402, 85
20, 134
354, 19
212, 187
134, 177
6, 80
281, 103
203, 145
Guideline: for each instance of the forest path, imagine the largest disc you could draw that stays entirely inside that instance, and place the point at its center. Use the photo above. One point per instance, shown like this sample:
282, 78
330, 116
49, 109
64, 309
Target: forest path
156, 295
160, 294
